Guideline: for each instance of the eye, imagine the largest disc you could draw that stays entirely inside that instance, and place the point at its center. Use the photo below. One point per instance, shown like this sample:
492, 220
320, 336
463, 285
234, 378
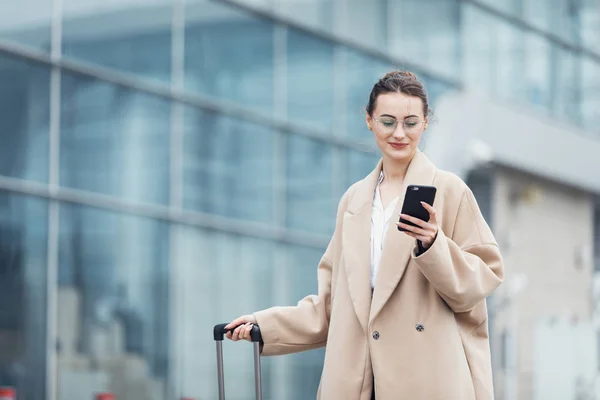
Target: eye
411, 123
388, 122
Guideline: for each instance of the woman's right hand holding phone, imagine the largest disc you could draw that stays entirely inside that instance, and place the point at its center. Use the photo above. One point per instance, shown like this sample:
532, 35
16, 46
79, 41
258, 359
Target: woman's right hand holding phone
243, 326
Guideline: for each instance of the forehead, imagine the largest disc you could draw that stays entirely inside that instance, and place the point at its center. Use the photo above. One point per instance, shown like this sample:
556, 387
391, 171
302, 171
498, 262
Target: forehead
398, 105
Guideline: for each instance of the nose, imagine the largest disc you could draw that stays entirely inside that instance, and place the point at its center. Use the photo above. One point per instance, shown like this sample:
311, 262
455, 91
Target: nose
399, 132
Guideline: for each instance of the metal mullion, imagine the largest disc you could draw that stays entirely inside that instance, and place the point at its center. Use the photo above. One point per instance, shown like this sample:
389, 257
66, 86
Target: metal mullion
53, 205
176, 316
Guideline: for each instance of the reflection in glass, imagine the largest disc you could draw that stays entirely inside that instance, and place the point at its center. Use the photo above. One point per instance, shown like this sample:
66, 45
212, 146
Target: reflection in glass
23, 249
310, 203
538, 71
229, 55
363, 21
510, 48
114, 140
589, 15
127, 35
358, 165
590, 94
478, 49
310, 81
24, 119
27, 22
426, 32
313, 13
113, 305
361, 73
221, 276
301, 371
228, 166
566, 92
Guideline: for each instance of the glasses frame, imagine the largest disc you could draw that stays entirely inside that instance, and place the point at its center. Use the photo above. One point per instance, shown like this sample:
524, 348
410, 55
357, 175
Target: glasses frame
404, 127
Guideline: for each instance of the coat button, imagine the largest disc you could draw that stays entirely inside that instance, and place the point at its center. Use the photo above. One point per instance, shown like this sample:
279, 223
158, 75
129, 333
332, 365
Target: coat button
375, 335
420, 327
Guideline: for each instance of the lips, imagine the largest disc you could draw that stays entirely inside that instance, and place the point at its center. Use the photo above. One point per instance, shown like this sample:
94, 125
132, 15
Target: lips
399, 145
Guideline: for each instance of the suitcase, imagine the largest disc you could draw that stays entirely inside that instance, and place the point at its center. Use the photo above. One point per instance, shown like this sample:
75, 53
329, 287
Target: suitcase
219, 332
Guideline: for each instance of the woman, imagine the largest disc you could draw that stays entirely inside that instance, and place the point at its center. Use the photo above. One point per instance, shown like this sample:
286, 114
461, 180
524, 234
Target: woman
402, 314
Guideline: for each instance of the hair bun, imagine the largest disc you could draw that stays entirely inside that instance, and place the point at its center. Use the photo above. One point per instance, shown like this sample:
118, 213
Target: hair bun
400, 74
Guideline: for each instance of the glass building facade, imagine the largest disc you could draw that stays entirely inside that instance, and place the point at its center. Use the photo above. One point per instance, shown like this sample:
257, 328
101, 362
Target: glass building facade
166, 165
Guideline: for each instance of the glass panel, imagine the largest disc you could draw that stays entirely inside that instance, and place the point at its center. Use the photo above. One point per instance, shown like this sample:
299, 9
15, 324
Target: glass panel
363, 21
229, 55
566, 89
221, 276
301, 371
479, 63
589, 19
358, 165
23, 249
509, 60
27, 22
310, 81
538, 71
559, 17
426, 32
310, 202
114, 140
314, 13
228, 166
539, 12
113, 305
507, 6
591, 95
24, 119
128, 35
361, 73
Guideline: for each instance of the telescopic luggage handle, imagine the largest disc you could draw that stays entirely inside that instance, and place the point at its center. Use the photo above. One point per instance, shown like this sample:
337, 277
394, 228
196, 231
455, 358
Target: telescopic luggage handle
219, 332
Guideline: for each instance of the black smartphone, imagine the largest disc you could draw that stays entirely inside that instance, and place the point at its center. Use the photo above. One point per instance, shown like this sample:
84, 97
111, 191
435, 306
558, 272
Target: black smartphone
412, 206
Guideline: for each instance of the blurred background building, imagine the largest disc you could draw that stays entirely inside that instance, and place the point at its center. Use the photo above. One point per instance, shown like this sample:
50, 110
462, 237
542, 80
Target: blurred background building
166, 165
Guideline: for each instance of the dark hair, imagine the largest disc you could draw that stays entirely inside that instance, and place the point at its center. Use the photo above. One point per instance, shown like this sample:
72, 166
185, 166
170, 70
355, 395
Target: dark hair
399, 82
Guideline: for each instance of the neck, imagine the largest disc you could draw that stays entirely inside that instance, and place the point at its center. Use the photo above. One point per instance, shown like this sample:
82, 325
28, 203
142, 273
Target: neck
395, 170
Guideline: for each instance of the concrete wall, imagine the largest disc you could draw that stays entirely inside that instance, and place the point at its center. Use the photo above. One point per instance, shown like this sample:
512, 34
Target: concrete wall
545, 231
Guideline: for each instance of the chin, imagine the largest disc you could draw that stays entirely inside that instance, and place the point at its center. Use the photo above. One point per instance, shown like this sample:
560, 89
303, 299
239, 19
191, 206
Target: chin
401, 155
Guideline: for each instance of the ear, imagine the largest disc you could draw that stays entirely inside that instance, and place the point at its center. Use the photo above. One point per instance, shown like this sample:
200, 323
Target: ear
369, 121
426, 123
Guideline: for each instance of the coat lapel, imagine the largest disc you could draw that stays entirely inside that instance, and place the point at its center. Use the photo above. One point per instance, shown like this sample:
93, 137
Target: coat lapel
356, 244
398, 245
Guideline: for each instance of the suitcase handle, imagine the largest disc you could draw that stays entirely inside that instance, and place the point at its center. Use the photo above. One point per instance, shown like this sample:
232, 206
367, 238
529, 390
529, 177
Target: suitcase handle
219, 332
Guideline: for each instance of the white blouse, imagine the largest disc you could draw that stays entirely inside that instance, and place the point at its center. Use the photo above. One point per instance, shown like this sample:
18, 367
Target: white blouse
379, 225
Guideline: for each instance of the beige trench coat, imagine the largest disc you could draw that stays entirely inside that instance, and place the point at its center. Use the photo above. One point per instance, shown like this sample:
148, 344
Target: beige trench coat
423, 333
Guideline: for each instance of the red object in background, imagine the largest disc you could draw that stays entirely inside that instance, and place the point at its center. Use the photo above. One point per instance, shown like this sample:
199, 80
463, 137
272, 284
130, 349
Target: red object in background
105, 396
7, 393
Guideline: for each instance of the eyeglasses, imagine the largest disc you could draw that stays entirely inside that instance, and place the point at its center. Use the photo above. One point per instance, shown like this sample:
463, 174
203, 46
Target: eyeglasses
388, 125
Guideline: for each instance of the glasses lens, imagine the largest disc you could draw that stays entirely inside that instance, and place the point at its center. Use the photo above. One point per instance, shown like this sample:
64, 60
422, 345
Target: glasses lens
412, 125
386, 124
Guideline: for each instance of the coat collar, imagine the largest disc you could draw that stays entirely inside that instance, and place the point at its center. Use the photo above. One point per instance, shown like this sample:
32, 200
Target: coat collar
356, 241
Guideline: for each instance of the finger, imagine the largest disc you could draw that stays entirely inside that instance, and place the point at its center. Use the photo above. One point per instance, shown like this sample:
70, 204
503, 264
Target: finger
236, 322
430, 210
423, 239
243, 331
236, 333
247, 331
414, 220
413, 229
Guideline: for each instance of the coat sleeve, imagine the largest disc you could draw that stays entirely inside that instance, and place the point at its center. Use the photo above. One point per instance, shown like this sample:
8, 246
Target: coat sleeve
304, 326
467, 267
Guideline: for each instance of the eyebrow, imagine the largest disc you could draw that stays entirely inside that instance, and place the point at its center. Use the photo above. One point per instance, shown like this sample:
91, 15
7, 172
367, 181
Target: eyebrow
408, 116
